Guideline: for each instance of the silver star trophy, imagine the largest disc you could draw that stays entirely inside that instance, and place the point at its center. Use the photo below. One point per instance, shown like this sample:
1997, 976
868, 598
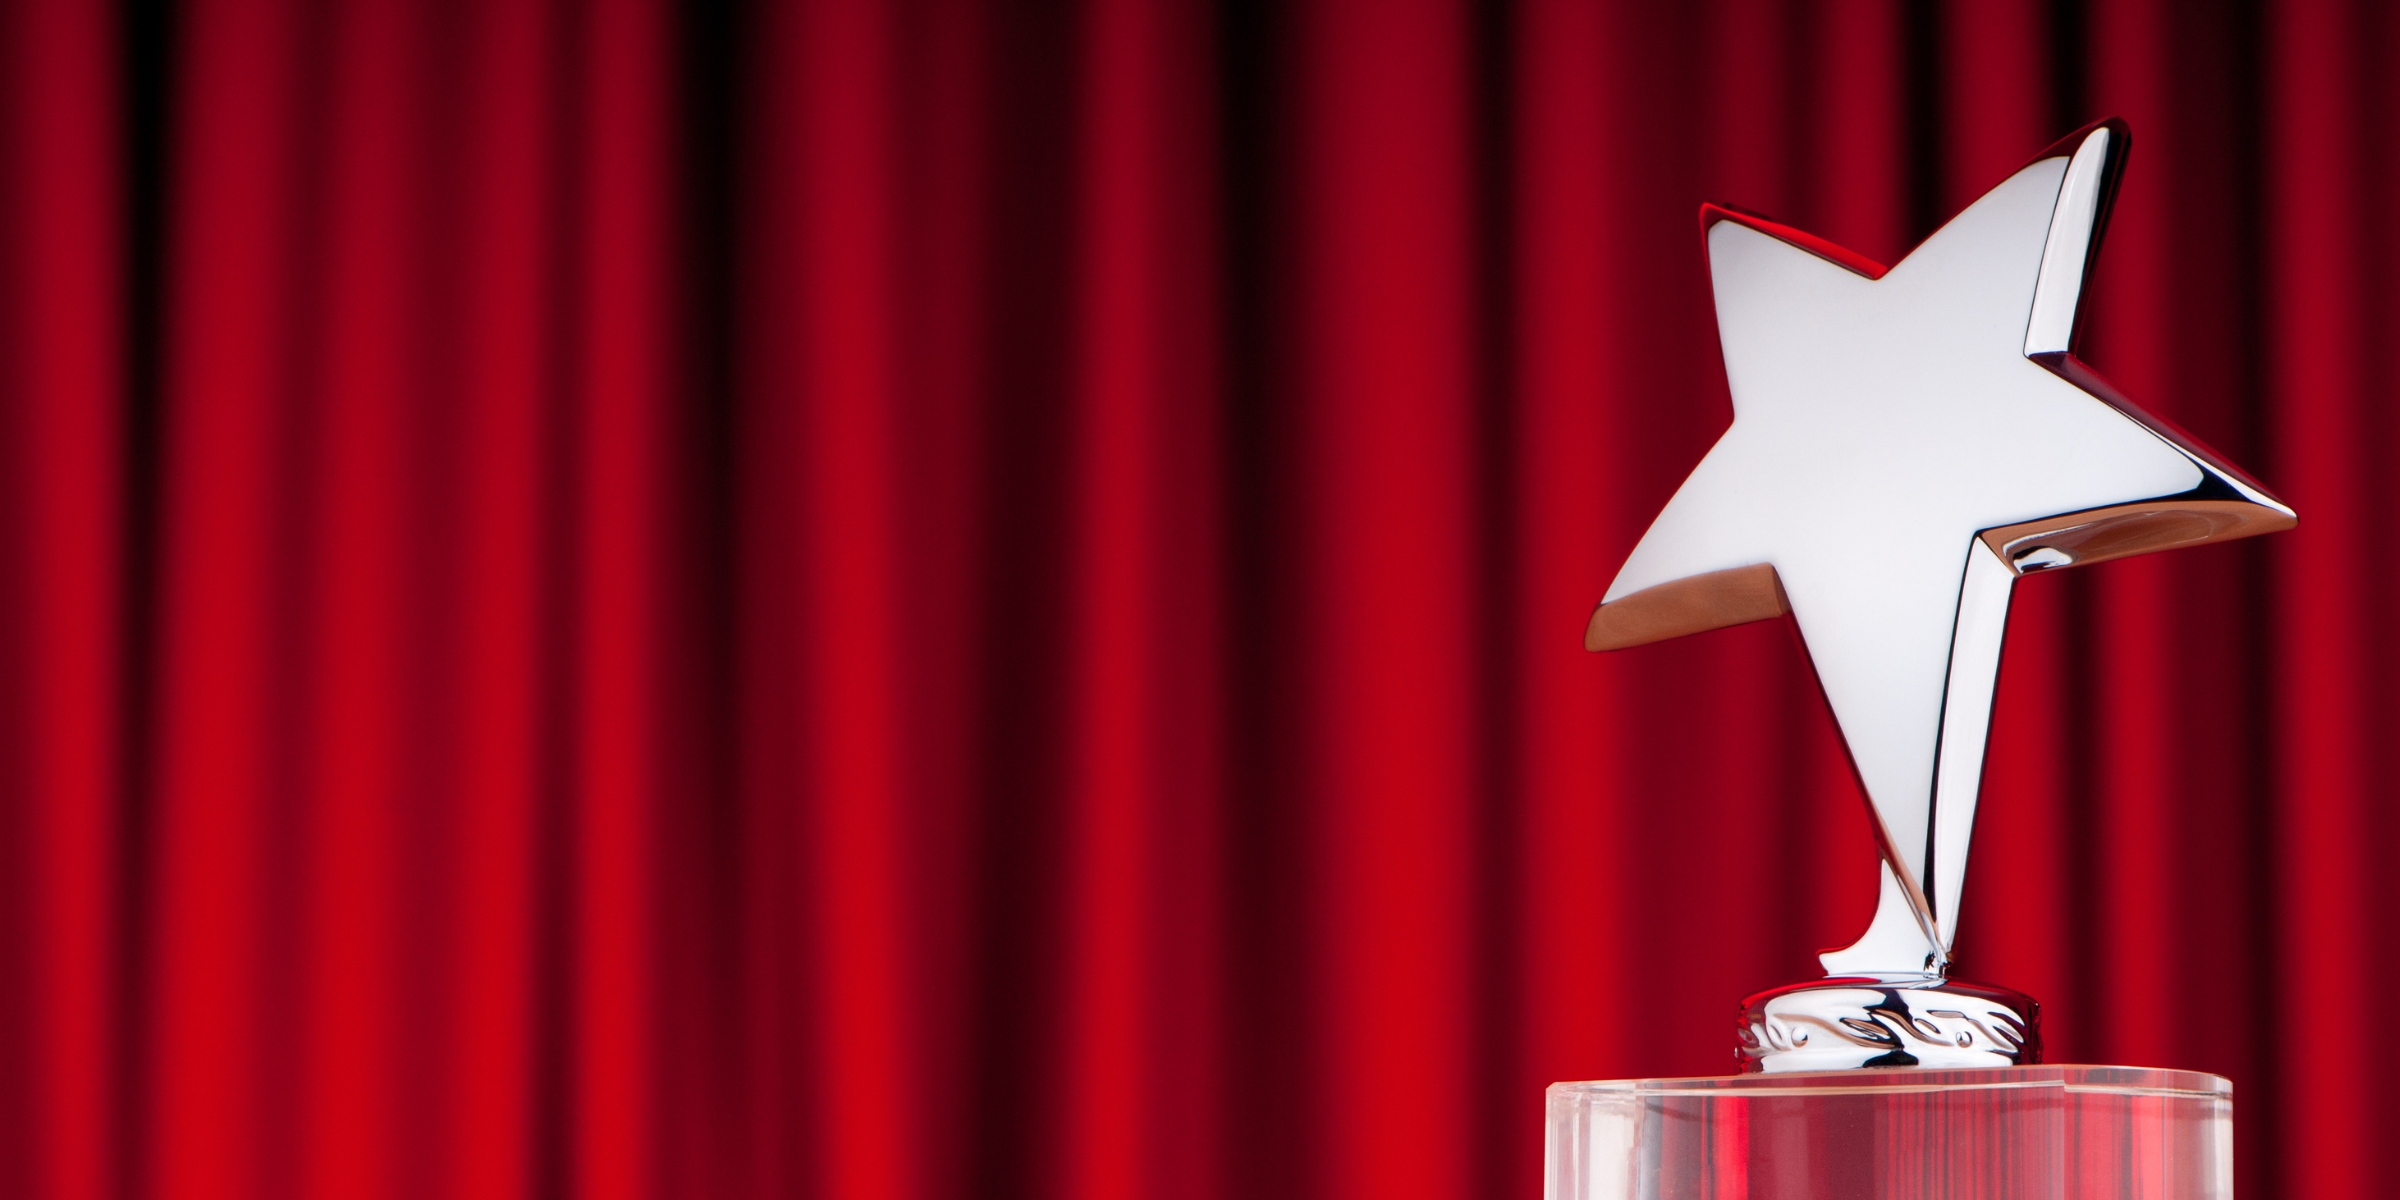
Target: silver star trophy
1905, 444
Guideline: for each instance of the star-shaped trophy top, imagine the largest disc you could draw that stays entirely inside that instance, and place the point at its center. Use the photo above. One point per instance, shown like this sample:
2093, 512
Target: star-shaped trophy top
1905, 443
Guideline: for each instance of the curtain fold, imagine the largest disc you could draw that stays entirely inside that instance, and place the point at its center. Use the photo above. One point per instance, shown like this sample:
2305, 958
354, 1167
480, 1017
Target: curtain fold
945, 598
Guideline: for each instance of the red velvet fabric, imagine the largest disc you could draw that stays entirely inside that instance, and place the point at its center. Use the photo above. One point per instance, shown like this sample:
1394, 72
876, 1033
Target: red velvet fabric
963, 598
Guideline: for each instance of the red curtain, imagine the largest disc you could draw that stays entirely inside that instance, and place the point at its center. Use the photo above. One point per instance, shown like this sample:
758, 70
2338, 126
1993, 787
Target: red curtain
963, 598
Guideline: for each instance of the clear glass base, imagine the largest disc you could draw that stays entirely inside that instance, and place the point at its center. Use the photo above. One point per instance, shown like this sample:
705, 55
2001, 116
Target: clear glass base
2000, 1133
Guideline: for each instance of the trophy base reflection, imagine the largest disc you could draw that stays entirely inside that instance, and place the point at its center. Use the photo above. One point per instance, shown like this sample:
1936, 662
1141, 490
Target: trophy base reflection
1999, 1133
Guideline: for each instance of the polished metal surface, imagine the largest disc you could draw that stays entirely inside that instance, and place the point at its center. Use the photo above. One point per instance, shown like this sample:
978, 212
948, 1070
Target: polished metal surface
1887, 1021
1905, 445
